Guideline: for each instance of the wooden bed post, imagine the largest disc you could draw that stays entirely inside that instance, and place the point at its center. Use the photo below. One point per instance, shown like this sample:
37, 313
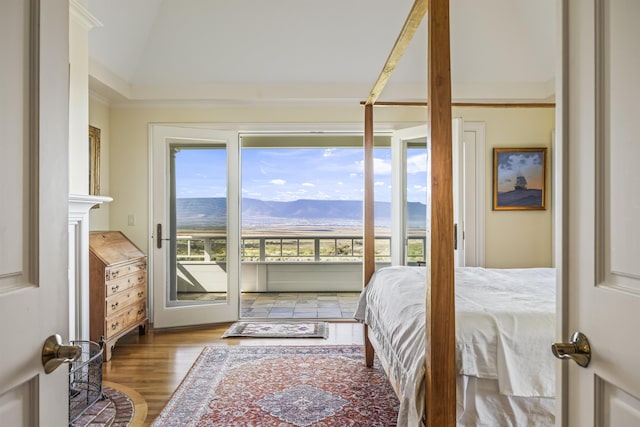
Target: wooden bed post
369, 259
411, 24
440, 321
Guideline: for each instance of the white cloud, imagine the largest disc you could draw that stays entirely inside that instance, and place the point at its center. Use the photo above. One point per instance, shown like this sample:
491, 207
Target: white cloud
417, 163
328, 152
380, 166
278, 181
378, 184
308, 184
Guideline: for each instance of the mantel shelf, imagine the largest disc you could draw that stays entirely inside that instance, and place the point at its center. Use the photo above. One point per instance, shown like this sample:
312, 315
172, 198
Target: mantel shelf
80, 202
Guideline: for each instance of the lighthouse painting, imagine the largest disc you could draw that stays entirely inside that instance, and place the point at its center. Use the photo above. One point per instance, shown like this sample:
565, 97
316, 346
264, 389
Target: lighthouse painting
519, 178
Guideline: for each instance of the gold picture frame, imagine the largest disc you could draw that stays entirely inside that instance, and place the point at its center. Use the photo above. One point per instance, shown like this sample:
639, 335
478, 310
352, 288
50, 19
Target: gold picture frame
519, 176
94, 161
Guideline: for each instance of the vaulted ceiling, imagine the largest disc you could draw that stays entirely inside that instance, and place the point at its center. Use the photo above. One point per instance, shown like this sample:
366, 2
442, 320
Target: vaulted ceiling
304, 51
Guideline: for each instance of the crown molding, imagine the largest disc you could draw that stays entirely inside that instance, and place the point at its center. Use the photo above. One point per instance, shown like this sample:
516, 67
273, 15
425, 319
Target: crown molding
79, 13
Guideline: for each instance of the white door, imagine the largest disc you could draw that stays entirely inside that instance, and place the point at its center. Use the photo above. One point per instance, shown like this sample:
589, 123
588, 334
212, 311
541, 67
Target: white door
195, 217
602, 249
34, 125
401, 142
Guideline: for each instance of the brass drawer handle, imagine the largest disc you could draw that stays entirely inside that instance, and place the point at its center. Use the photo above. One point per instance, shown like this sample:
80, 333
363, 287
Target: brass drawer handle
115, 288
114, 326
141, 311
140, 279
140, 294
114, 305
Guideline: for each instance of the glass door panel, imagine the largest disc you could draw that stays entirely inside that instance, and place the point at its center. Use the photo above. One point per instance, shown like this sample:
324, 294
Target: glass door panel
415, 201
198, 245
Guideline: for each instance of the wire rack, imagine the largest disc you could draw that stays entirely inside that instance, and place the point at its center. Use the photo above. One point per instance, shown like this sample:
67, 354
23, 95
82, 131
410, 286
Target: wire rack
85, 378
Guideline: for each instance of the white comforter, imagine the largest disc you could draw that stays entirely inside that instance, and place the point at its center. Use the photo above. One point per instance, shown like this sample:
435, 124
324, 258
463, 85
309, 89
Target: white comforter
505, 321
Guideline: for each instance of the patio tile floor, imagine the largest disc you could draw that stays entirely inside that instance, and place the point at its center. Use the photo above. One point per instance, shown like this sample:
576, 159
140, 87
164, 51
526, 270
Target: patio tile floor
293, 305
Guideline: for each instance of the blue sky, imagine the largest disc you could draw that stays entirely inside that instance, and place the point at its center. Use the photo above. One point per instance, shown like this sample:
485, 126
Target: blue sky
286, 174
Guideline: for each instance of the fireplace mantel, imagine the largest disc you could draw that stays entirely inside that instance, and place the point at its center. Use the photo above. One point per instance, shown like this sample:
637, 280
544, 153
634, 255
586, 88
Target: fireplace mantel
79, 207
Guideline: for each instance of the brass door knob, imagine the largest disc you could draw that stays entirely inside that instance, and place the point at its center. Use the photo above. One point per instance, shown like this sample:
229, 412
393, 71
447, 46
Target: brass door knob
54, 353
578, 349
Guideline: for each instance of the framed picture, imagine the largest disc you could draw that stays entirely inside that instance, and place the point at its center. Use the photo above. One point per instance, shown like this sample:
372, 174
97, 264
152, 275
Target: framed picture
519, 178
94, 161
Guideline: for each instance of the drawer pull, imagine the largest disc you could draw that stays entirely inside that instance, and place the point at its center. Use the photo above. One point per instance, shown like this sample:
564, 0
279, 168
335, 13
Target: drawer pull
140, 279
140, 294
141, 311
114, 326
114, 305
115, 288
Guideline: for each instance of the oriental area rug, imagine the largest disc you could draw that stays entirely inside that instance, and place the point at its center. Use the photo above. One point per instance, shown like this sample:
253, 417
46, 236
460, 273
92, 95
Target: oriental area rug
278, 330
282, 386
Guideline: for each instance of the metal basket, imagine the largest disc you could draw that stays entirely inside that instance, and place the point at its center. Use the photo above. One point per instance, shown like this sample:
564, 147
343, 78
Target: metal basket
85, 378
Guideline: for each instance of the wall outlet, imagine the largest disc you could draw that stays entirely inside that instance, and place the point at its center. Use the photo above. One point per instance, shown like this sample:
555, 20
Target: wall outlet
131, 219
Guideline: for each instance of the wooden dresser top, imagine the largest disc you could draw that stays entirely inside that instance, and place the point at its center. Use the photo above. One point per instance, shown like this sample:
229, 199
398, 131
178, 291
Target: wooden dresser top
113, 247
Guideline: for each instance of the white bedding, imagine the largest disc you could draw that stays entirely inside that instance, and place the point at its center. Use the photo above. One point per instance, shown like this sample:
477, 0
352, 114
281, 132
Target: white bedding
505, 320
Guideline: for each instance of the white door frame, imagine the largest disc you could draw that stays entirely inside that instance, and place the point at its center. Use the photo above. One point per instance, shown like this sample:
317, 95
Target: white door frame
469, 202
398, 192
474, 155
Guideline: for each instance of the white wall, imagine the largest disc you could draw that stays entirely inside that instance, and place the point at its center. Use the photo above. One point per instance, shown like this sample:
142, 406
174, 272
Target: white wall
99, 117
80, 22
516, 127
515, 238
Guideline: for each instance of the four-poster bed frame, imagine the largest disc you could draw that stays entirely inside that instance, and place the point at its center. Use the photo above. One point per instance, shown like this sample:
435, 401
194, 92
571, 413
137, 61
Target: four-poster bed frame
440, 377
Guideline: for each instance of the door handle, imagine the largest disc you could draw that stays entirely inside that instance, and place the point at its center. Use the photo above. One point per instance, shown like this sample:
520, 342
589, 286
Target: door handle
578, 349
54, 353
159, 238
455, 236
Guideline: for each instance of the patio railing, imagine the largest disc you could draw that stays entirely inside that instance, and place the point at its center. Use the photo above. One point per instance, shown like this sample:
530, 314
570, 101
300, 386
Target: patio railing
266, 248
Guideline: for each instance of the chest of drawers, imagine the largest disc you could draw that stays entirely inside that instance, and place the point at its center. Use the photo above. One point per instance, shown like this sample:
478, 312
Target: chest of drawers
117, 288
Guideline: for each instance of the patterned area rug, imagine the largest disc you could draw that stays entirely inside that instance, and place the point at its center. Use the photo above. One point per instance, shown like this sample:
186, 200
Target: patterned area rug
282, 386
278, 330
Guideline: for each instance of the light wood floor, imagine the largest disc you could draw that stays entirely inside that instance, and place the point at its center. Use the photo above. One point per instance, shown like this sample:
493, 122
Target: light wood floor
154, 364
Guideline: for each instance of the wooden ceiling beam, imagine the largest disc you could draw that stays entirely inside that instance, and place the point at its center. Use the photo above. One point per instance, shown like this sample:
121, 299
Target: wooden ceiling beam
466, 104
416, 14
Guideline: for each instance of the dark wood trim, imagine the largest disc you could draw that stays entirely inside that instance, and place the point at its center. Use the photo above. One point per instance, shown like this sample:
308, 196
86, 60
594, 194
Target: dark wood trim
440, 377
369, 259
416, 14
465, 104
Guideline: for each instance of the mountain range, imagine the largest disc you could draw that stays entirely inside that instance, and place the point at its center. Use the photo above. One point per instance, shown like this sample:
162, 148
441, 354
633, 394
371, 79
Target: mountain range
210, 212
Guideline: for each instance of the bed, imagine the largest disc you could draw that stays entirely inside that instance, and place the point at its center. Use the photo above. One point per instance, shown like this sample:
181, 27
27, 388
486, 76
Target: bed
505, 322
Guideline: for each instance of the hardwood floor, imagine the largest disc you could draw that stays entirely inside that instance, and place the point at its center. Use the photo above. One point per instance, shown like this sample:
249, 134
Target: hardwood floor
154, 364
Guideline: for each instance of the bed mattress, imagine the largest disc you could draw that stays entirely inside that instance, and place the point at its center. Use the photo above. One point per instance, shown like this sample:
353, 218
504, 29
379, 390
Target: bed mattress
505, 323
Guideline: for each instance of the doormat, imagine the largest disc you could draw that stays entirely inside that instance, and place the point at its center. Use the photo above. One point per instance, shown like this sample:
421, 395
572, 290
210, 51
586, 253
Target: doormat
286, 386
278, 330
